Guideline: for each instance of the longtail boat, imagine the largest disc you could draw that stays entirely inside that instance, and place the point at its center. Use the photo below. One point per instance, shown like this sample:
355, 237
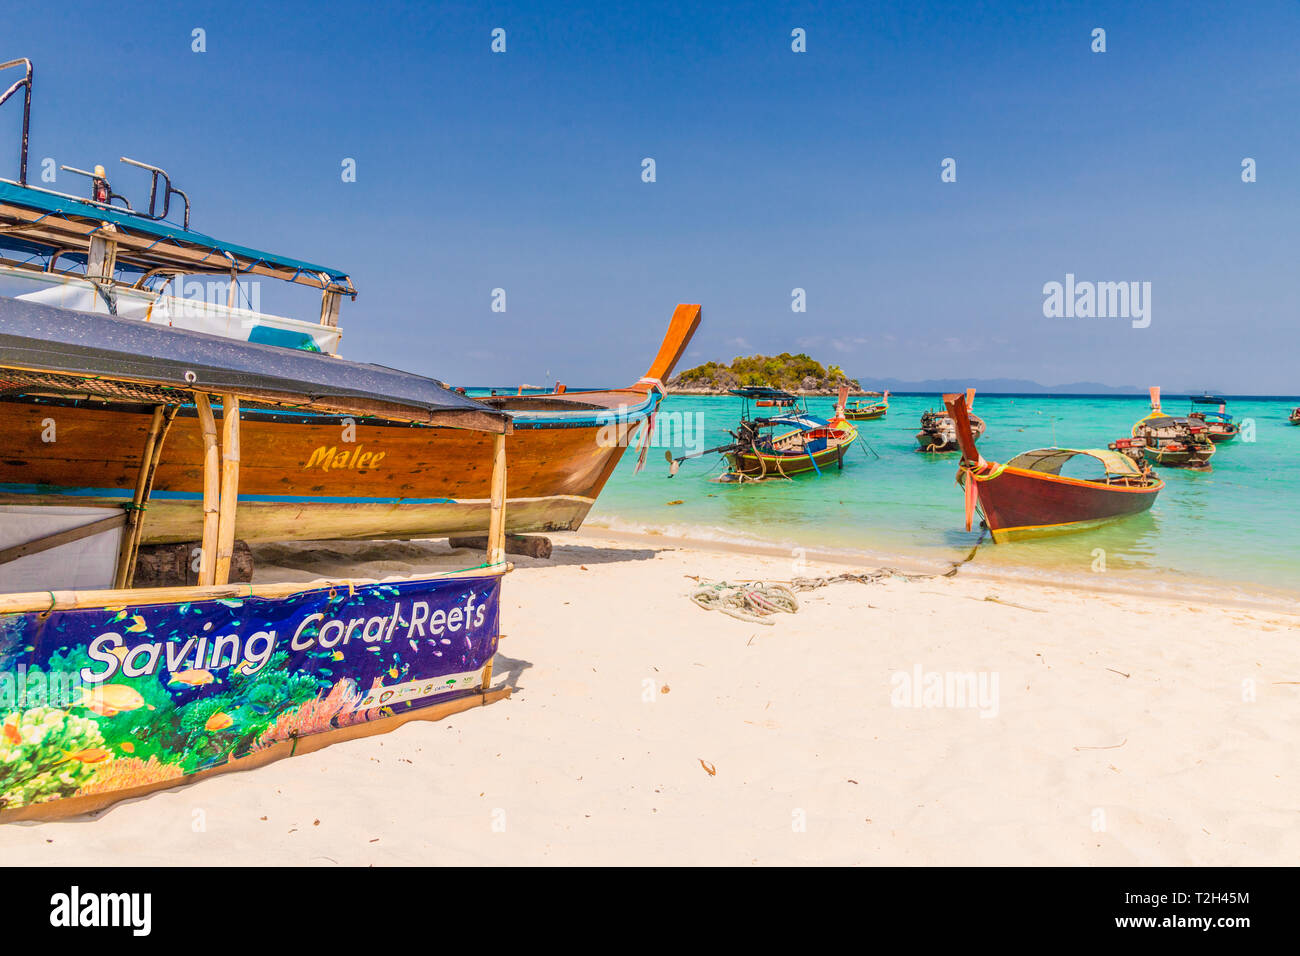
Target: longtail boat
1028, 496
217, 675
795, 443
772, 397
319, 475
1295, 416
1219, 424
867, 411
1168, 441
938, 434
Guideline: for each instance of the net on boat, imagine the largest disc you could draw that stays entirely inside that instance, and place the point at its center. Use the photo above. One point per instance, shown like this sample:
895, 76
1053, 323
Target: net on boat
14, 382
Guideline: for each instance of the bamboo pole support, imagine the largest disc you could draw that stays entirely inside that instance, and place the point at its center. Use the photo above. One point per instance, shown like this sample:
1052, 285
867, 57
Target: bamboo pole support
496, 550
121, 575
169, 416
229, 487
211, 490
135, 530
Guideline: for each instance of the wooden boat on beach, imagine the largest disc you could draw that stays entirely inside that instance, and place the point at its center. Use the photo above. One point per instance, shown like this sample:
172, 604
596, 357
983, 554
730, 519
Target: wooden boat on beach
867, 411
318, 475
1028, 496
1218, 423
1168, 441
321, 476
124, 690
938, 434
794, 443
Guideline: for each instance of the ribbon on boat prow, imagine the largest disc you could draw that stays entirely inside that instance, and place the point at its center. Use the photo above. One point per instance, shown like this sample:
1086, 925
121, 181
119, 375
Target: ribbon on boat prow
958, 406
98, 703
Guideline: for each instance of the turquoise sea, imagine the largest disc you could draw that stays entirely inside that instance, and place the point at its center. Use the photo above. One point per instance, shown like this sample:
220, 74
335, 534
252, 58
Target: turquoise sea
1234, 530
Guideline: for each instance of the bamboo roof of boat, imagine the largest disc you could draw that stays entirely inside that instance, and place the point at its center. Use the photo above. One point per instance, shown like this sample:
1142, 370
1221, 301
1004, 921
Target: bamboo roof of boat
48, 348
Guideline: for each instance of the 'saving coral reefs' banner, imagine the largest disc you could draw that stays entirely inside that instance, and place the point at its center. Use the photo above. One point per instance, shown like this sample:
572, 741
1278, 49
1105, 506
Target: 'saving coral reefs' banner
101, 699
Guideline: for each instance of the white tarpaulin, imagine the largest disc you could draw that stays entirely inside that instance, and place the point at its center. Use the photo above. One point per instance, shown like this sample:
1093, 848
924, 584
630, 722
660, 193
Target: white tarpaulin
85, 564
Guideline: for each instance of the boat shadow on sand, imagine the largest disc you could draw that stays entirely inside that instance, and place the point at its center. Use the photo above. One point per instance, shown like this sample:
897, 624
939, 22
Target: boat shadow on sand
305, 560
570, 555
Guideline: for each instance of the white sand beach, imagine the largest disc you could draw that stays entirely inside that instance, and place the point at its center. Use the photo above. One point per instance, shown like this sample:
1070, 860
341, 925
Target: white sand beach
1116, 729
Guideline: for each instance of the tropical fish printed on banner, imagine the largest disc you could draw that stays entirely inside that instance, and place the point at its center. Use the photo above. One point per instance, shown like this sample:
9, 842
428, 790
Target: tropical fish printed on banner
102, 699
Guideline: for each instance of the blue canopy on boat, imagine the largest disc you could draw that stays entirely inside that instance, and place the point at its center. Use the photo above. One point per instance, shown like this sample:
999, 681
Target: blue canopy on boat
803, 422
54, 204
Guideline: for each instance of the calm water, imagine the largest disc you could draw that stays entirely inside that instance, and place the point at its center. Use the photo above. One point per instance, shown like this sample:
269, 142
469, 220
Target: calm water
1237, 527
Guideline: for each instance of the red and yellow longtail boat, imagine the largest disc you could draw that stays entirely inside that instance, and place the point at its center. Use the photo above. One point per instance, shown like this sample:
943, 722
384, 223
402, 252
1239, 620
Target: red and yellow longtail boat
1029, 497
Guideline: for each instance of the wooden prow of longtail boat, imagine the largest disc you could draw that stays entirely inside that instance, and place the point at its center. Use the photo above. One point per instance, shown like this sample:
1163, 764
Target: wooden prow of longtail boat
1155, 398
686, 319
970, 399
960, 413
842, 401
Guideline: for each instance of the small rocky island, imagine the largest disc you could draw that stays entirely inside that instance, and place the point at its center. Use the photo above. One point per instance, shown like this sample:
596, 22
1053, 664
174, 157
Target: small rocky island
794, 373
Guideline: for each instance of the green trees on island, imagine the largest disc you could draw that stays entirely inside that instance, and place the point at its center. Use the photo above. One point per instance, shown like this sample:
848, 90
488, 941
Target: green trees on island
791, 372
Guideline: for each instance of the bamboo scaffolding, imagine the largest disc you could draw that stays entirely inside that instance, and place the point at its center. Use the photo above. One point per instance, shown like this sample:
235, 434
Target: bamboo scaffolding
229, 487
497, 521
496, 542
211, 491
120, 579
169, 416
129, 550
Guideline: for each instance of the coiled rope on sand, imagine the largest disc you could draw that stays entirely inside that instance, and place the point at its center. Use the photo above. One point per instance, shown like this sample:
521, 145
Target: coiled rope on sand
752, 601
755, 601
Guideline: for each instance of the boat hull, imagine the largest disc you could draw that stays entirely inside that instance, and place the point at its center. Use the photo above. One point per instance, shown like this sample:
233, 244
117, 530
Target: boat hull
866, 416
301, 480
1018, 504
1196, 456
767, 465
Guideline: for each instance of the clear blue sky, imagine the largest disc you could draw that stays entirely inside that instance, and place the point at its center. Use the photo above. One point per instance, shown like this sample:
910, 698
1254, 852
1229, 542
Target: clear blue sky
775, 170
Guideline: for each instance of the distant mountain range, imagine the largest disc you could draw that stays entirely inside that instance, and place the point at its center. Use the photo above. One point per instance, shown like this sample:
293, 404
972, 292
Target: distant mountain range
1015, 386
